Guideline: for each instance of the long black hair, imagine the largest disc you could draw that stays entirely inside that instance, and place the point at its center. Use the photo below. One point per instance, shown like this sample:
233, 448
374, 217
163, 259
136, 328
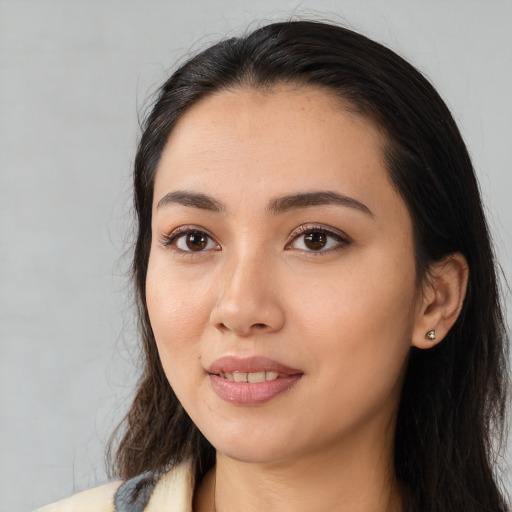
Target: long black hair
454, 396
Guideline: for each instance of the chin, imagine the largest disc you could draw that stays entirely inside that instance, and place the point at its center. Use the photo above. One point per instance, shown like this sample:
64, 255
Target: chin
254, 454
254, 445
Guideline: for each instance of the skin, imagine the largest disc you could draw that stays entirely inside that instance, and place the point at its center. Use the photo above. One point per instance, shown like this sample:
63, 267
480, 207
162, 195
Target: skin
345, 316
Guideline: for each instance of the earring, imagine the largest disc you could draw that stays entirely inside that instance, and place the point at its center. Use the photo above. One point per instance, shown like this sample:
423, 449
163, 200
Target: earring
431, 335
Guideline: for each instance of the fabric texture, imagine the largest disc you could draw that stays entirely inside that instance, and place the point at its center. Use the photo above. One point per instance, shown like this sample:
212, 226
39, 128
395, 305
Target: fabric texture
173, 492
98, 499
134, 494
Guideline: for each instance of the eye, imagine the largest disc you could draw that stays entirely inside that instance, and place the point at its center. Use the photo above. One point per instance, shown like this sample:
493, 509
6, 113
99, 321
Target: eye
317, 239
189, 239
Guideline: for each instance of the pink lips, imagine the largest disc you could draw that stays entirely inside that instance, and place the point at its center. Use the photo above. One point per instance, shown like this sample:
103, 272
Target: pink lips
251, 393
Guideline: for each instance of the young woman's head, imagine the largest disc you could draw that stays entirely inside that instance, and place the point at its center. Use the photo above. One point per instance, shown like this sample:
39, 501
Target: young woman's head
309, 223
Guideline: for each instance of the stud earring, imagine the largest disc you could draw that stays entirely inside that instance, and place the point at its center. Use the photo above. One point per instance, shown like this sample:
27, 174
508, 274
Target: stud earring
431, 335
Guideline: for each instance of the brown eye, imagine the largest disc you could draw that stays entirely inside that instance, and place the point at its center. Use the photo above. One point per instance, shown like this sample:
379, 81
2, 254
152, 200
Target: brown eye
318, 240
315, 240
190, 240
196, 241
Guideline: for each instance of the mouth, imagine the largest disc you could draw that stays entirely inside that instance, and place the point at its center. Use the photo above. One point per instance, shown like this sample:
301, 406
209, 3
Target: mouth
247, 366
251, 381
252, 377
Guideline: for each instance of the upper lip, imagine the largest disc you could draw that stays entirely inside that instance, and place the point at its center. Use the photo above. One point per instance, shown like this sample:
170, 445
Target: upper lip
230, 364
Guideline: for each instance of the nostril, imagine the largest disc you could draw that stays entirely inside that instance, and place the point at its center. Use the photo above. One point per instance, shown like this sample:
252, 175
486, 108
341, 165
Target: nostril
222, 327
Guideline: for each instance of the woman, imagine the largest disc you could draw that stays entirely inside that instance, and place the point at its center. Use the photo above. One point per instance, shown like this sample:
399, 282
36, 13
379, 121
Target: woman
317, 292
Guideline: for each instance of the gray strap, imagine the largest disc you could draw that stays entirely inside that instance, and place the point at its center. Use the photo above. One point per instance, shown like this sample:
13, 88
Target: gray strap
134, 494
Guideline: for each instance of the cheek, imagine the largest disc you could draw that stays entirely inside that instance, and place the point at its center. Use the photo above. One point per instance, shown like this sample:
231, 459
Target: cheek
360, 322
177, 311
368, 293
171, 314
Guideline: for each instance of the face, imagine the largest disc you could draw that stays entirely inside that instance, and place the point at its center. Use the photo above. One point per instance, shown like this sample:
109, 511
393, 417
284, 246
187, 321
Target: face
281, 283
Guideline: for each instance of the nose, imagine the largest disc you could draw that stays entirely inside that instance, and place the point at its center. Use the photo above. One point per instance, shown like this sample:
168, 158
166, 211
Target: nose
248, 301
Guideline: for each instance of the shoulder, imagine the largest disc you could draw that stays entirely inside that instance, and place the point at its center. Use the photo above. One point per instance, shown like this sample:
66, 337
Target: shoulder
172, 492
97, 499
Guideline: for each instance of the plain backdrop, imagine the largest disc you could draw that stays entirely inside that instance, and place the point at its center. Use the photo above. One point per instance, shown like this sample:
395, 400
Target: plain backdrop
74, 74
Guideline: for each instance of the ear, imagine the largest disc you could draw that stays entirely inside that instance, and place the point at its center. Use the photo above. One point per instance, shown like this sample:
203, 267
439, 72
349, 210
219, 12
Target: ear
439, 306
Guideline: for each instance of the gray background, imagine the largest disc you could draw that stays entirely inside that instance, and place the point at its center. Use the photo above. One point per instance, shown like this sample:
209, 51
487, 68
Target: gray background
73, 75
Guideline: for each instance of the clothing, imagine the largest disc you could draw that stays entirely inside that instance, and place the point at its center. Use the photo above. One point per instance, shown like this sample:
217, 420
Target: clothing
173, 492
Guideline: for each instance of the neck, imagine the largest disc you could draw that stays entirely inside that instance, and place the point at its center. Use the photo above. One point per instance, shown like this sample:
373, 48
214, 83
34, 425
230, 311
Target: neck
355, 478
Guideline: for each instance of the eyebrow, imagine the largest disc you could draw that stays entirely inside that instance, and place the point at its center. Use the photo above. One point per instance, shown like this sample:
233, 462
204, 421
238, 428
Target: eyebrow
193, 199
308, 199
275, 207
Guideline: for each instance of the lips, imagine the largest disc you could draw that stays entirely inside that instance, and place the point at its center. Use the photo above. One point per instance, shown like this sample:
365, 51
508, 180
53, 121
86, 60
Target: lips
251, 381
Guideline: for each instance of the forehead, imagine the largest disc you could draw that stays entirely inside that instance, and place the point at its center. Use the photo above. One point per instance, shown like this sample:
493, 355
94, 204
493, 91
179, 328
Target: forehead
281, 124
266, 143
247, 114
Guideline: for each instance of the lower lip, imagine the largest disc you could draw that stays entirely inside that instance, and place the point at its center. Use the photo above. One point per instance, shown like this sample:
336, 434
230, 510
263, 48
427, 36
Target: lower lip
251, 393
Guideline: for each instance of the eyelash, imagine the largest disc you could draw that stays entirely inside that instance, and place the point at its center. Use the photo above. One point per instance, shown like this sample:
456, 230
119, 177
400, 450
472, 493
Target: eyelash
341, 239
172, 238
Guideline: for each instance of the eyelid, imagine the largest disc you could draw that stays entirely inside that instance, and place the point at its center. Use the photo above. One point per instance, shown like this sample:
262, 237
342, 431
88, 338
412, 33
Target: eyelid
167, 240
337, 234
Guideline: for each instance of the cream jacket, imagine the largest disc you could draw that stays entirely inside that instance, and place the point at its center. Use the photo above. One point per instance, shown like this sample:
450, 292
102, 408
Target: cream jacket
172, 493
